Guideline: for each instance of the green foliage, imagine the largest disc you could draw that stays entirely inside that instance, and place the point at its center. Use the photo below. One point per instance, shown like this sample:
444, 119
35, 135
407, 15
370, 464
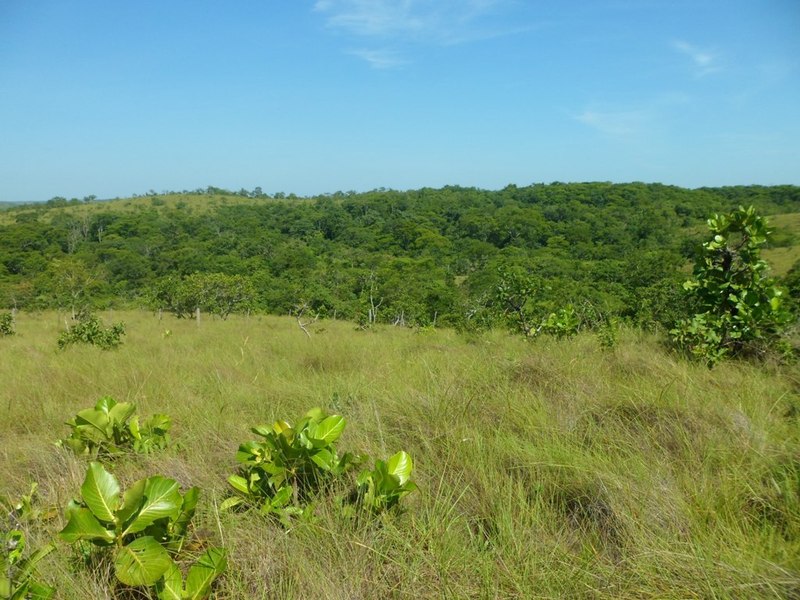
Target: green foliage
17, 574
561, 324
6, 324
197, 584
417, 257
217, 293
26, 508
112, 428
141, 529
739, 310
290, 464
515, 297
608, 331
792, 284
381, 488
89, 330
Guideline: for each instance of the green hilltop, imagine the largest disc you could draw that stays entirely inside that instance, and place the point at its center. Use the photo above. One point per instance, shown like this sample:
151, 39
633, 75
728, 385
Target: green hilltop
425, 256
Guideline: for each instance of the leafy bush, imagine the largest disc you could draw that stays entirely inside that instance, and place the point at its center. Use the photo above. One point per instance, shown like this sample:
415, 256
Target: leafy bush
381, 488
740, 311
142, 530
17, 573
607, 332
111, 428
289, 464
89, 330
279, 474
561, 324
6, 324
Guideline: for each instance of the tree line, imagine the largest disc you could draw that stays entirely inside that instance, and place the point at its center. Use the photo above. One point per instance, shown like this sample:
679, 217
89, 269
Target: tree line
418, 257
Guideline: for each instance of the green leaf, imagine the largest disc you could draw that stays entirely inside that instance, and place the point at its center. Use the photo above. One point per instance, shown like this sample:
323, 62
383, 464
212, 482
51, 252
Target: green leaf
161, 499
100, 492
282, 496
170, 586
95, 418
208, 567
105, 404
280, 426
262, 430
158, 422
315, 414
326, 431
131, 501
83, 525
239, 483
230, 503
133, 427
121, 412
142, 562
324, 459
39, 591
187, 511
400, 466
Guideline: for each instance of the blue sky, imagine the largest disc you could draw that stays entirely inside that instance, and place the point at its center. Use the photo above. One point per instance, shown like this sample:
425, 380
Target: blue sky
115, 98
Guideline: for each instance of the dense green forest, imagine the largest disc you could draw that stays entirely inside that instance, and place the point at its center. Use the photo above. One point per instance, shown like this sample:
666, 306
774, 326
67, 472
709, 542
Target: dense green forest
427, 256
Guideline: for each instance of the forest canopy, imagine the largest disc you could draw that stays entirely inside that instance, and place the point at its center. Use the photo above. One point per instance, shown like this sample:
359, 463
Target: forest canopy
414, 257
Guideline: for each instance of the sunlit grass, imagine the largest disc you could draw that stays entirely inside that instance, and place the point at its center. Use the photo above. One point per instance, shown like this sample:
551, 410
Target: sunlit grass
547, 469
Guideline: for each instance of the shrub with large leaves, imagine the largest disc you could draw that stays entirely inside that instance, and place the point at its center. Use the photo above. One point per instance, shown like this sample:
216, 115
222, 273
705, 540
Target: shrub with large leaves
289, 463
111, 427
739, 308
142, 528
381, 488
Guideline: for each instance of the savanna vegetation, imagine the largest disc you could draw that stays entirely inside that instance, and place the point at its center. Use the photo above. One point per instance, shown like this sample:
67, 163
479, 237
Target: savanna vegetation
535, 350
422, 257
553, 469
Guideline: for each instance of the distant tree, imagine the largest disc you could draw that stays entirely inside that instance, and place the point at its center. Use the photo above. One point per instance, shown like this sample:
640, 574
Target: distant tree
70, 283
215, 293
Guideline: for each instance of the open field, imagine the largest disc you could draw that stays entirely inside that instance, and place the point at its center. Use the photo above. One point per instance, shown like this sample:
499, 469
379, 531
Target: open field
546, 470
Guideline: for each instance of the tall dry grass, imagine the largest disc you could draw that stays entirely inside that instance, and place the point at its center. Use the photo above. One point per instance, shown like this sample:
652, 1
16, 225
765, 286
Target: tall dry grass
546, 470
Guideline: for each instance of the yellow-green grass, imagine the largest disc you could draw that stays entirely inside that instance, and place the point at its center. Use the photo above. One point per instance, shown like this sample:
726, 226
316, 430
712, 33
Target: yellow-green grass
783, 258
546, 470
197, 203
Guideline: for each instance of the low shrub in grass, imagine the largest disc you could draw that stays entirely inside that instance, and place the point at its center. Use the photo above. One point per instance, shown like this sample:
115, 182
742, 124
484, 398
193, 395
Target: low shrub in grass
142, 531
111, 428
90, 330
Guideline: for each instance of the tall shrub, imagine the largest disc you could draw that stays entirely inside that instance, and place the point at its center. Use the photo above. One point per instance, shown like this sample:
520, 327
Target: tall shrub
739, 310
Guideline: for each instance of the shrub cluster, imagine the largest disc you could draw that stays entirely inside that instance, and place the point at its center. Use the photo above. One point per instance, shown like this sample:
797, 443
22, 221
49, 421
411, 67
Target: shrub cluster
6, 324
90, 330
143, 532
291, 464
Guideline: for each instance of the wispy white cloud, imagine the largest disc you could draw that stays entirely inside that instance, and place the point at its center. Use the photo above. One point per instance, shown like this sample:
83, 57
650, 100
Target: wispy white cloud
639, 120
619, 123
380, 59
413, 22
704, 61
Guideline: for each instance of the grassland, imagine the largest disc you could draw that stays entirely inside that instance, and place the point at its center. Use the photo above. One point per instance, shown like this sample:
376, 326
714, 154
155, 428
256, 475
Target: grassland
546, 470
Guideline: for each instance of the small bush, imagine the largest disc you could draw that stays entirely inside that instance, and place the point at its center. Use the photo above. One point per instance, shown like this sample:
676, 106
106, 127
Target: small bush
7, 324
112, 428
280, 474
143, 531
290, 464
89, 330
